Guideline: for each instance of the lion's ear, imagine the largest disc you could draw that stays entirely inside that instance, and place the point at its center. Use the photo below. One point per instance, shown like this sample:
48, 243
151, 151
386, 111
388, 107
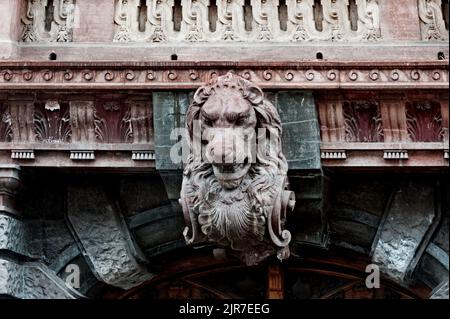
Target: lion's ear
251, 92
202, 94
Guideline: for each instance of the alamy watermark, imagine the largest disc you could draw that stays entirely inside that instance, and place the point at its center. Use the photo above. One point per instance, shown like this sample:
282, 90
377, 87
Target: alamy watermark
73, 277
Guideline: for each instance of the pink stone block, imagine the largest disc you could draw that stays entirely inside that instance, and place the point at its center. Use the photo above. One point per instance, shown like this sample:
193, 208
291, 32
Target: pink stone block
94, 21
400, 20
10, 26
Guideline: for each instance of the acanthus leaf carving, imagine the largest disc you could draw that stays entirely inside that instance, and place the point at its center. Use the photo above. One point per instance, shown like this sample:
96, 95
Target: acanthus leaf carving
424, 121
363, 122
235, 198
52, 122
112, 122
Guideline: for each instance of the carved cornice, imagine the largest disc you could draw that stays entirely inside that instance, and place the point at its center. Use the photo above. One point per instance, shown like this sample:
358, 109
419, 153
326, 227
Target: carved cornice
190, 75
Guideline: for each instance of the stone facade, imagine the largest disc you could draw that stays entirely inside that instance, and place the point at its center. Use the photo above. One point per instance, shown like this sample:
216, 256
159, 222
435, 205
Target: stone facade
90, 95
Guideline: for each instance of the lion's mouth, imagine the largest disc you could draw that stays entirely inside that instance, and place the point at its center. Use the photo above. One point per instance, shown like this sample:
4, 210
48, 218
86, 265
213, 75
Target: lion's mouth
231, 175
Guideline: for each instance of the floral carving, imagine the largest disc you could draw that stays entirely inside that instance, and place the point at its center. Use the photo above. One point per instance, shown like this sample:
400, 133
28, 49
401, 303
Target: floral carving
362, 122
112, 122
424, 121
52, 122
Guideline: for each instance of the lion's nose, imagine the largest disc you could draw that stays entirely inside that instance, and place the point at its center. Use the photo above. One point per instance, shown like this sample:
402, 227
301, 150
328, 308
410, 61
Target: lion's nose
221, 151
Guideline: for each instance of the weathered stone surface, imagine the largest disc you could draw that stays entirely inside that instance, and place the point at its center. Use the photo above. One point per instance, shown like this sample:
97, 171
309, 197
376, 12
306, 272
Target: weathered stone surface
301, 135
407, 220
440, 292
104, 238
169, 111
13, 235
10, 278
32, 281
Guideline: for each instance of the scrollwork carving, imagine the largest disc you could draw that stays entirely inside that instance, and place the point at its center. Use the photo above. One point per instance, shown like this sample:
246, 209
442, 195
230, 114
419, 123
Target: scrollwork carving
61, 25
431, 20
195, 24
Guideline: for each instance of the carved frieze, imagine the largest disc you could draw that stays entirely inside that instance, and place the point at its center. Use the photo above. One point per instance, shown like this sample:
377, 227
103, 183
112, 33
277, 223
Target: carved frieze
48, 21
236, 20
188, 75
432, 22
234, 194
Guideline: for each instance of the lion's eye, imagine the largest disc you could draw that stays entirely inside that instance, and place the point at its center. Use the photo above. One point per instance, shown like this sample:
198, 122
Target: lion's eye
207, 121
241, 120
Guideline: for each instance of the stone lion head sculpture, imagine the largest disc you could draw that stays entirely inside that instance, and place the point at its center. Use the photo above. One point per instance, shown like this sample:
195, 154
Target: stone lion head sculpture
234, 190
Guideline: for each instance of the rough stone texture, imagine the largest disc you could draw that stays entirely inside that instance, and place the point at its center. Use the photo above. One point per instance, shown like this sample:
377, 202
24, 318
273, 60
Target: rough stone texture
56, 240
105, 241
301, 137
13, 235
440, 292
94, 21
32, 281
407, 220
10, 278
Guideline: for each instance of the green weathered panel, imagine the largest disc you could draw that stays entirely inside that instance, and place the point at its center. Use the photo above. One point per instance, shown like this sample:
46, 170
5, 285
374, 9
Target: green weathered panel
169, 110
301, 137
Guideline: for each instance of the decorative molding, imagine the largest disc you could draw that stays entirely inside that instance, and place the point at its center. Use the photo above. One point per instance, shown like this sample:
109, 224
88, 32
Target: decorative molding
36, 28
395, 154
333, 154
22, 154
432, 24
189, 75
143, 155
235, 23
82, 155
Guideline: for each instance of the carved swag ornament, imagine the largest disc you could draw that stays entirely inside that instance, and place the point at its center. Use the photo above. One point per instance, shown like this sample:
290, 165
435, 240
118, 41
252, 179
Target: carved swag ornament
235, 193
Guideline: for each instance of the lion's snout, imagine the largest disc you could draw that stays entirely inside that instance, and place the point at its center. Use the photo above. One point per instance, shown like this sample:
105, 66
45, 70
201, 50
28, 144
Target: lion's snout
226, 153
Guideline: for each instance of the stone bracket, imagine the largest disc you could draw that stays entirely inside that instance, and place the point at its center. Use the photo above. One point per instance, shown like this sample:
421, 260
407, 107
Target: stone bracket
104, 239
404, 233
